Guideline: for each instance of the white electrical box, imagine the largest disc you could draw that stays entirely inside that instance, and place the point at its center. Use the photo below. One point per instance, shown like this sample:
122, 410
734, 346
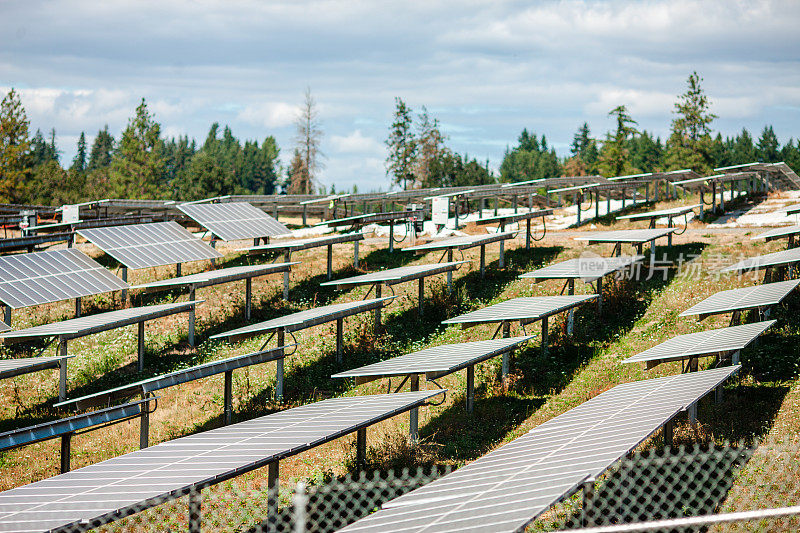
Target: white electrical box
440, 211
70, 213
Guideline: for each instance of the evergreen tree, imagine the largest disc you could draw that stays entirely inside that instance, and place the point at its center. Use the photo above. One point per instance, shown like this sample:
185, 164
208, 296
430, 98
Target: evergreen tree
530, 159
742, 149
689, 144
768, 146
296, 174
14, 147
402, 145
40, 150
205, 178
138, 166
646, 153
614, 157
102, 148
790, 154
79, 161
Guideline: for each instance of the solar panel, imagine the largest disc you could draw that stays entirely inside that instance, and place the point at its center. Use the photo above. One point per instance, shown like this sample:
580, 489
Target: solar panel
178, 377
793, 209
235, 220
104, 492
305, 244
371, 218
525, 309
514, 217
305, 319
745, 298
784, 257
438, 361
150, 245
87, 325
636, 236
672, 212
463, 243
52, 276
777, 233
517, 482
393, 276
709, 342
214, 277
586, 268
25, 365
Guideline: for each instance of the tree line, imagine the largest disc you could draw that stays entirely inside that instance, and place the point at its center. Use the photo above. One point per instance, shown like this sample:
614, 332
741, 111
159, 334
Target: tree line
418, 154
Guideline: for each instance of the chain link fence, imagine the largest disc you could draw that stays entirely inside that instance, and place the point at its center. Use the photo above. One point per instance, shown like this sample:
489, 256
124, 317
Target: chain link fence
698, 488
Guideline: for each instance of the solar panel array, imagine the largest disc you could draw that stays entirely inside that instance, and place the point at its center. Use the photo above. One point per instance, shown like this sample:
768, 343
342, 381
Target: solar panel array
184, 375
674, 211
777, 233
398, 275
525, 309
52, 276
306, 319
744, 298
784, 257
586, 268
85, 325
150, 245
371, 218
512, 485
25, 365
108, 489
438, 360
235, 220
304, 244
462, 243
709, 342
214, 277
636, 236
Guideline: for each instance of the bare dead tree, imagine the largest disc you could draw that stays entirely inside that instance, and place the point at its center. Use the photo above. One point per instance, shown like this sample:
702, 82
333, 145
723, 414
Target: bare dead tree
309, 135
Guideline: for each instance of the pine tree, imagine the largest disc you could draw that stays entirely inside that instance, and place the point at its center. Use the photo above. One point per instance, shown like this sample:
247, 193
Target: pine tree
296, 174
768, 149
614, 157
430, 147
402, 145
79, 161
139, 166
742, 149
14, 146
102, 148
689, 144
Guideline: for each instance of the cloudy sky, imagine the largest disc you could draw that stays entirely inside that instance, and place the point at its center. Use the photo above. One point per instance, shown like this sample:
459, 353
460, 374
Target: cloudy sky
484, 69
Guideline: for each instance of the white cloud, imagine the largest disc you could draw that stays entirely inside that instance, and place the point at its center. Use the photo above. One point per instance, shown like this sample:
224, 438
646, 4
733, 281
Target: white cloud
357, 143
270, 114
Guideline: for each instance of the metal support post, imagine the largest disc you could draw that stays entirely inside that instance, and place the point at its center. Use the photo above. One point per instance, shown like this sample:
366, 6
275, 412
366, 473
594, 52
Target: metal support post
647, 192
570, 314
330, 262
339, 339
287, 258
140, 345
248, 298
377, 327
455, 224
470, 388
514, 203
77, 307
713, 197
719, 393
228, 397
125, 279
7, 315
528, 234
213, 244
413, 419
391, 236
608, 202
496, 205
178, 270
449, 272
692, 412
66, 451
144, 424
735, 357
305, 215
578, 204
596, 204
361, 449
722, 197
62, 379
355, 254
506, 356
623, 198
191, 317
483, 262
544, 336
502, 261
281, 333
421, 297
668, 433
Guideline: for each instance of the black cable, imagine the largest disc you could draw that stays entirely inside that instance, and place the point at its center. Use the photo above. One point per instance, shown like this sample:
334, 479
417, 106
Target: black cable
685, 225
544, 231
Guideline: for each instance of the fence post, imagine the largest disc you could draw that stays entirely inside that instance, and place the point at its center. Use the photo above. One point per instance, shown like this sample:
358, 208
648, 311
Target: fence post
588, 502
300, 508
